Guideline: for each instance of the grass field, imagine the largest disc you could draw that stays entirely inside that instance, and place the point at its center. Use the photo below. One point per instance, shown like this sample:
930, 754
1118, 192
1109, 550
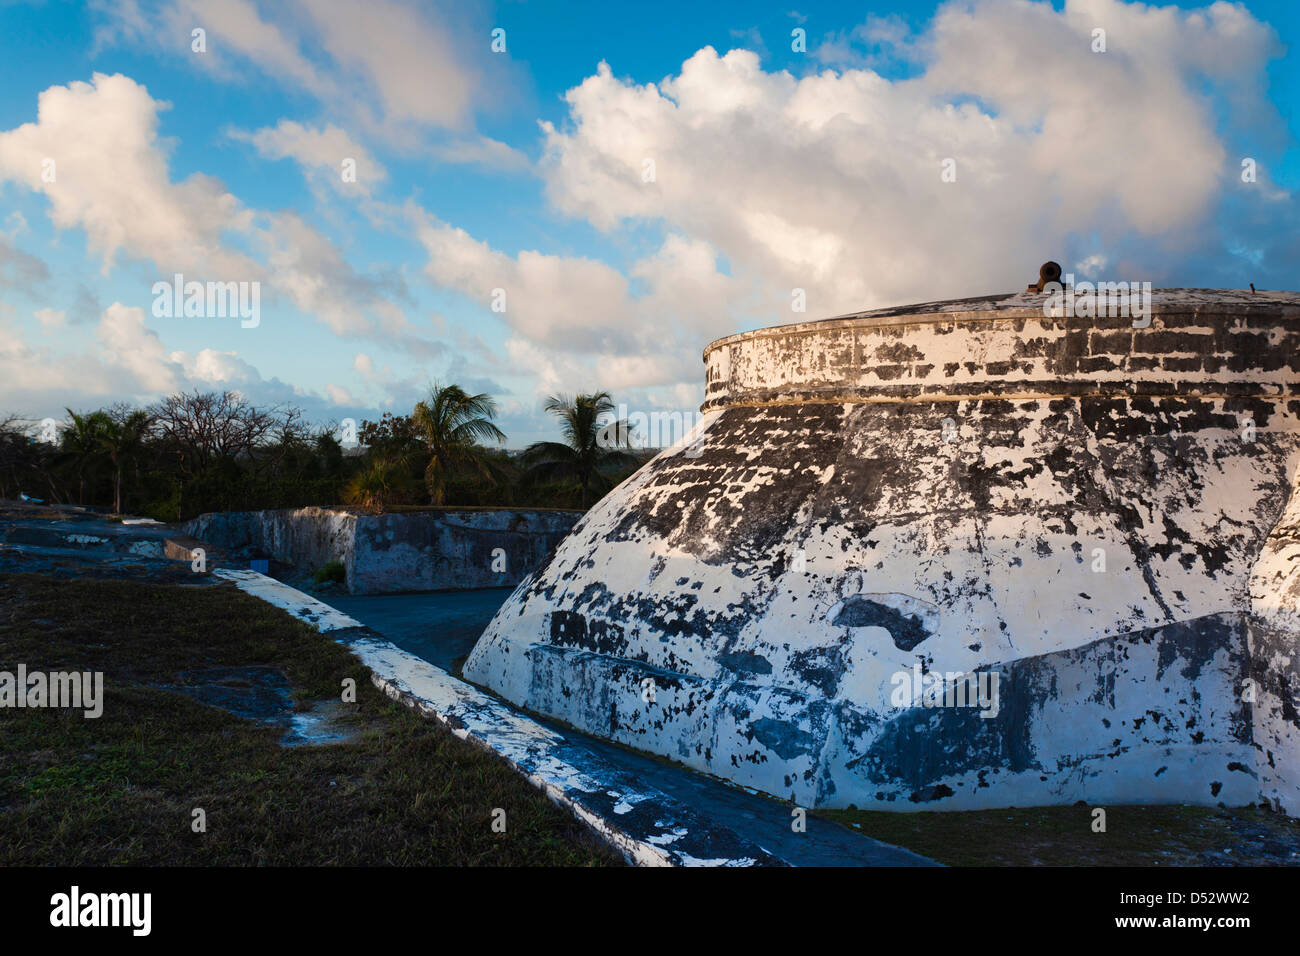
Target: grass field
121, 789
1174, 835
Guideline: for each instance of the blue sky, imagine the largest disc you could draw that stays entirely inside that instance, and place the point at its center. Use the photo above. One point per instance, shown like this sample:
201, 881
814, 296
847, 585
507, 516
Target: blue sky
770, 169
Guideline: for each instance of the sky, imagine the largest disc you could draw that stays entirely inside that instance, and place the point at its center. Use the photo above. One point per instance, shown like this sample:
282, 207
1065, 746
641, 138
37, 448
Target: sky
530, 199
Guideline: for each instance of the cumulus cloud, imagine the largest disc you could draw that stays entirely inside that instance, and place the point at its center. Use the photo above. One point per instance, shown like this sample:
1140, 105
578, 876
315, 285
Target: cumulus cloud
95, 154
339, 395
832, 182
110, 178
126, 360
403, 71
214, 369
320, 151
129, 344
584, 316
554, 299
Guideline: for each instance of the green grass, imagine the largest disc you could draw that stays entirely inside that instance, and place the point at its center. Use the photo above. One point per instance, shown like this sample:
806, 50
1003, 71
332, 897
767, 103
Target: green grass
1169, 835
121, 789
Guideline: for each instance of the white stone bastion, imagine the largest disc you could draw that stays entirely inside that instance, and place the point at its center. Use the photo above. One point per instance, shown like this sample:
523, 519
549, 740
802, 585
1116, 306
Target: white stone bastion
952, 556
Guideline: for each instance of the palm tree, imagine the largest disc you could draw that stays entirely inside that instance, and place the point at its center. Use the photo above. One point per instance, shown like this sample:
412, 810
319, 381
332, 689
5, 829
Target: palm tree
452, 423
589, 448
122, 439
81, 446
382, 482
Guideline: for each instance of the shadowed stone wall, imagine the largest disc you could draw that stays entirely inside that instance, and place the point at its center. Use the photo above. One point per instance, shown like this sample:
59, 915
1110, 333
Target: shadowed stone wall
411, 551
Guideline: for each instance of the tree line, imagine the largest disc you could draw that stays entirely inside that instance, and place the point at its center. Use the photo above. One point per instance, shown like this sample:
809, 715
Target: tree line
194, 452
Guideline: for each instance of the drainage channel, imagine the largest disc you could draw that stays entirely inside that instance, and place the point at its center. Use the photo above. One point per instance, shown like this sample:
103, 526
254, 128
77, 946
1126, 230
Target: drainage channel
442, 627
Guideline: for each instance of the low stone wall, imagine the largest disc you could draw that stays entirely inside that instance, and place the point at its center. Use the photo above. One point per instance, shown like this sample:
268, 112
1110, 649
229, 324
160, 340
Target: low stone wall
442, 550
435, 550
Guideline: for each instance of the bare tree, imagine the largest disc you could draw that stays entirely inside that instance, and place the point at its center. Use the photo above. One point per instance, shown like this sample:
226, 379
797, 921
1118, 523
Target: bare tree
201, 428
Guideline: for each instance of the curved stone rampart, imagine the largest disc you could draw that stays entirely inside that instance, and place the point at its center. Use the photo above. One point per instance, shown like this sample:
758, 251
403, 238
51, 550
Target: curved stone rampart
954, 556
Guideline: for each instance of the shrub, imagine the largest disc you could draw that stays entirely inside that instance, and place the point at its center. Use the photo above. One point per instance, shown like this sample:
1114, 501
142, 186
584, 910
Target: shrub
330, 571
381, 483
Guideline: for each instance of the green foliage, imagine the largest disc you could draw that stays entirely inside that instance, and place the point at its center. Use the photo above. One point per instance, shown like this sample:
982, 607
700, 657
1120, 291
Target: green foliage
121, 438
330, 571
201, 452
393, 436
382, 482
592, 451
452, 423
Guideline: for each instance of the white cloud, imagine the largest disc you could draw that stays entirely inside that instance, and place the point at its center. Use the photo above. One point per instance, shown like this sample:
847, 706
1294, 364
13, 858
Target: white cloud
321, 151
551, 299
214, 369
51, 318
95, 154
111, 180
339, 395
832, 182
399, 69
582, 315
128, 344
126, 360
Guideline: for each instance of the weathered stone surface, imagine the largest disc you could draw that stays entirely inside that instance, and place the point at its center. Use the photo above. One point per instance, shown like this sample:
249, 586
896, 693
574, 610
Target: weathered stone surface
412, 551
950, 490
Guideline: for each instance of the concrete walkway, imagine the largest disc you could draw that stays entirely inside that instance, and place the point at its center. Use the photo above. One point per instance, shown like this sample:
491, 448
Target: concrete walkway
442, 628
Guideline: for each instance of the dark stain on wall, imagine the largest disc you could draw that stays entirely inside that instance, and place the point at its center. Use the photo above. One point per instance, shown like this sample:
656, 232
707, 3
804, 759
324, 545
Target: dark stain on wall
907, 630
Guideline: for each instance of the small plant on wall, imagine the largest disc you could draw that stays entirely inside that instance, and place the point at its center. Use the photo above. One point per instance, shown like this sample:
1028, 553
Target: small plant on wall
330, 572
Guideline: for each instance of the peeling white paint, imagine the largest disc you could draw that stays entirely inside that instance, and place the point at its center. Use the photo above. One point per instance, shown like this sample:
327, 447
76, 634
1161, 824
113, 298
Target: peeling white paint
829, 536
